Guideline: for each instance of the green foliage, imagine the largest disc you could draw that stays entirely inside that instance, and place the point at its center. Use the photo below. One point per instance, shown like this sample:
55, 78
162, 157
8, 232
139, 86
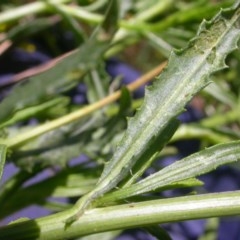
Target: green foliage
192, 166
3, 151
120, 149
173, 89
53, 81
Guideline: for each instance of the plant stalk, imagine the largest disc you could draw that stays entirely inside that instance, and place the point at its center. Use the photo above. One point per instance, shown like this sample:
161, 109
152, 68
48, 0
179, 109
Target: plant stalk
39, 130
134, 214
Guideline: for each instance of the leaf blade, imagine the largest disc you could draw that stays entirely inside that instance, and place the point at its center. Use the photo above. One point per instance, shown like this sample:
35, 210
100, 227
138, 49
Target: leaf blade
3, 153
187, 73
47, 84
189, 167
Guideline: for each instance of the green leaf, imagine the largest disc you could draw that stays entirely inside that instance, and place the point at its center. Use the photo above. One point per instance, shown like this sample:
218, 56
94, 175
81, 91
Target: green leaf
191, 131
150, 155
3, 153
71, 23
125, 102
56, 104
97, 83
223, 95
42, 87
122, 193
57, 147
93, 136
71, 182
189, 14
186, 183
19, 220
25, 29
187, 73
211, 229
110, 22
189, 167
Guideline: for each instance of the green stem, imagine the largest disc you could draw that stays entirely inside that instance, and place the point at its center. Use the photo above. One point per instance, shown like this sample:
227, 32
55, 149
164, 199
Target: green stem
218, 119
95, 5
82, 14
87, 16
23, 11
177, 18
12, 186
122, 33
156, 9
192, 131
71, 117
134, 214
71, 22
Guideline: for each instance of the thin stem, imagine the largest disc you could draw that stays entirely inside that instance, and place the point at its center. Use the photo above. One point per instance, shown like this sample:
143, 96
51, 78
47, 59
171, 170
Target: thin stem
37, 131
122, 33
218, 119
134, 214
82, 14
87, 16
31, 8
154, 10
12, 185
192, 131
95, 5
176, 18
72, 23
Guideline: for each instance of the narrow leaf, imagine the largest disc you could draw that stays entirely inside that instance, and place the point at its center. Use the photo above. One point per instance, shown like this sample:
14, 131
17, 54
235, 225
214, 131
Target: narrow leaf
54, 80
36, 110
211, 229
149, 156
72, 182
189, 167
110, 22
186, 74
3, 153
